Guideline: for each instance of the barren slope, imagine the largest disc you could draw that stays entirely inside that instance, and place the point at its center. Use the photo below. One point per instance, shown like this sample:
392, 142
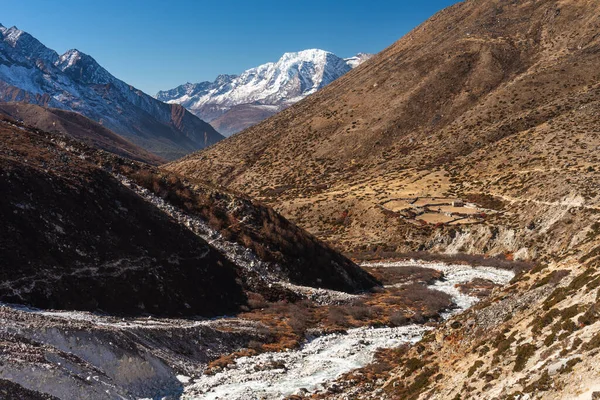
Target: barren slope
486, 97
489, 103
79, 127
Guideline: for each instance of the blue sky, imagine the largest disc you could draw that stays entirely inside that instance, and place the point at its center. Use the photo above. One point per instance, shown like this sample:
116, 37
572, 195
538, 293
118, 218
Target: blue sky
159, 44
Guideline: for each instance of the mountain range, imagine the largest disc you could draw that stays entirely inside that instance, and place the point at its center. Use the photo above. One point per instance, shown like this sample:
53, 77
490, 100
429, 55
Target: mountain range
234, 102
30, 72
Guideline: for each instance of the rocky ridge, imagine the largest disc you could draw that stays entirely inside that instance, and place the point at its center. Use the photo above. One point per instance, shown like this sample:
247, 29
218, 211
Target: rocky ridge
32, 73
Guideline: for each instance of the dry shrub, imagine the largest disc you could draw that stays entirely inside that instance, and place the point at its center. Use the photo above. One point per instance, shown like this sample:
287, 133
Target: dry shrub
337, 316
256, 301
486, 201
428, 298
398, 319
300, 317
359, 312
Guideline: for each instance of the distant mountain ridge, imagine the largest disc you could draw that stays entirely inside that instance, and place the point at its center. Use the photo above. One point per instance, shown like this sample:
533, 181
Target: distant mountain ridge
32, 73
77, 126
232, 103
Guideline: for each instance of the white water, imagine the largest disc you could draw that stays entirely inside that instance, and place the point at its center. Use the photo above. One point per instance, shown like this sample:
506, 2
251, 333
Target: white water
276, 375
456, 274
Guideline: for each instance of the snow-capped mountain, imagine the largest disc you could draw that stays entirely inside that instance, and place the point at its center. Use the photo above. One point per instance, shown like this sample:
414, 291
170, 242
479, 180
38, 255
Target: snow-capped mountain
74, 81
232, 102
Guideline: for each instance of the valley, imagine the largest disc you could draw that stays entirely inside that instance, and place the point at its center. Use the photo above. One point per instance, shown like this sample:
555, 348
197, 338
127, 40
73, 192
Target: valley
325, 358
419, 224
490, 106
283, 305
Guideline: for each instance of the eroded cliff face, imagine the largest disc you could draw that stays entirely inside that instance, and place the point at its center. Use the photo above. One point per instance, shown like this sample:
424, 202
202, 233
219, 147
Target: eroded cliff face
78, 355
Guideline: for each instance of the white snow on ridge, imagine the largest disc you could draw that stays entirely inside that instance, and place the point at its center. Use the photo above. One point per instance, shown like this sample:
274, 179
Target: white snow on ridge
68, 59
357, 59
290, 79
11, 35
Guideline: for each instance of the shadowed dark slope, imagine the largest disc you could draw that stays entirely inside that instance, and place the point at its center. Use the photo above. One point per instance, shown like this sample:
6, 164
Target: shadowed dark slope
73, 237
77, 236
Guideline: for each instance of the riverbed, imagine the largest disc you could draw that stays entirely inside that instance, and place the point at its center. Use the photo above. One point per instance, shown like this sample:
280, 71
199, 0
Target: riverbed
323, 359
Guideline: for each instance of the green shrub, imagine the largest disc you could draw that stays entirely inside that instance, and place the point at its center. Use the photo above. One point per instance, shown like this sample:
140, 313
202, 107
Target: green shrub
411, 365
550, 339
541, 385
593, 344
476, 365
524, 353
540, 323
555, 297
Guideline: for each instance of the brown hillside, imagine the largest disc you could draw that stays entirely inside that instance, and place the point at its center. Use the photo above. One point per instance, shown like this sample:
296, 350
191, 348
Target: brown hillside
482, 98
79, 127
475, 133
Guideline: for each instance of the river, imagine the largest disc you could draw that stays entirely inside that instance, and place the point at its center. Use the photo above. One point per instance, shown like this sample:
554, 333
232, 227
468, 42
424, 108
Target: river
323, 359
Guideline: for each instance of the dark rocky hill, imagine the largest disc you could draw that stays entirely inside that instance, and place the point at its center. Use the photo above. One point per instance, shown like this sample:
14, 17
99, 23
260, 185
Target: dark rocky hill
87, 230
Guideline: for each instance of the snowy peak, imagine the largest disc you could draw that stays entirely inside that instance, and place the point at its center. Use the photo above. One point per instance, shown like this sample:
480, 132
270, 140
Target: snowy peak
275, 84
11, 35
26, 47
314, 55
313, 68
83, 68
358, 59
69, 58
32, 73
224, 78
